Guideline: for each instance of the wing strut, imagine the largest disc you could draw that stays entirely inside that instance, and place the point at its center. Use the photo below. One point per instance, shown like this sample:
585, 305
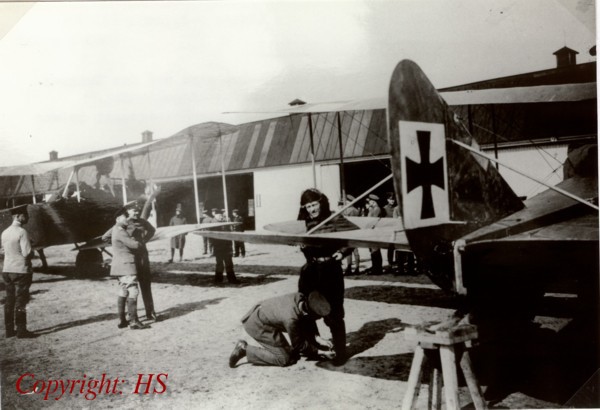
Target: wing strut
559, 190
361, 196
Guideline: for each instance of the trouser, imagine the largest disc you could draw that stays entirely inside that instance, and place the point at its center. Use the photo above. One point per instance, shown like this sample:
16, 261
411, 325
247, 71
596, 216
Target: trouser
349, 263
328, 279
239, 248
269, 355
391, 253
224, 262
17, 297
128, 287
376, 260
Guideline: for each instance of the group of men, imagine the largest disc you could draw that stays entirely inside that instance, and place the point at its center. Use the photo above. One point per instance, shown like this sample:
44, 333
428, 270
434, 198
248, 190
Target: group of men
222, 250
219, 215
320, 294
397, 261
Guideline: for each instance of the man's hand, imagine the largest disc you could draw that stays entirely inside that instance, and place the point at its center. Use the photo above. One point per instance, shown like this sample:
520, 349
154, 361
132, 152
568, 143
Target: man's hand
324, 344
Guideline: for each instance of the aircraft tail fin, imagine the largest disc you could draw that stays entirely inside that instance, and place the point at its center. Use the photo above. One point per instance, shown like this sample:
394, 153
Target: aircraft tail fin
444, 191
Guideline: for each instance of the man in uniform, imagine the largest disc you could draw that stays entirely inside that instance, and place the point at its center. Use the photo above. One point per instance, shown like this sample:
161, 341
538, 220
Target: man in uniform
376, 260
238, 246
352, 211
223, 253
177, 242
17, 274
266, 323
142, 231
391, 210
125, 252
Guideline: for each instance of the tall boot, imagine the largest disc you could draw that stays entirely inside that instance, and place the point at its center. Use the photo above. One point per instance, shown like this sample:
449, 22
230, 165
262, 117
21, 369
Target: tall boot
21, 322
9, 320
134, 323
123, 323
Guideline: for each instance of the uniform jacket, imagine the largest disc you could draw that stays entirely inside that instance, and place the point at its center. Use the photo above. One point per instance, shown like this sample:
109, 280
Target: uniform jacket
375, 211
267, 321
17, 249
240, 227
351, 211
124, 249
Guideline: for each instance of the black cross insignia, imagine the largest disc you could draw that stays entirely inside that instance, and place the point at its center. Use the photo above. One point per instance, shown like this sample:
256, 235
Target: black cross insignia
425, 174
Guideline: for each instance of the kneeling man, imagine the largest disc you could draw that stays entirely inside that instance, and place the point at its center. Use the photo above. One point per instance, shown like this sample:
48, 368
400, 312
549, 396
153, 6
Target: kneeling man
267, 322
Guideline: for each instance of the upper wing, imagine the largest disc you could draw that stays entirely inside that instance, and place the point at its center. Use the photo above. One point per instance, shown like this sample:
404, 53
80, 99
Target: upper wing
512, 95
43, 167
363, 232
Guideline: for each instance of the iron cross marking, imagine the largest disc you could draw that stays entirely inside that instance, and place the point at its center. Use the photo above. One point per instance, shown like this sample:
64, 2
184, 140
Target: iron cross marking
425, 174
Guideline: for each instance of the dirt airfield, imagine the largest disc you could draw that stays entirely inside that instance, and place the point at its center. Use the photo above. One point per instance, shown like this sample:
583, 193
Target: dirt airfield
187, 350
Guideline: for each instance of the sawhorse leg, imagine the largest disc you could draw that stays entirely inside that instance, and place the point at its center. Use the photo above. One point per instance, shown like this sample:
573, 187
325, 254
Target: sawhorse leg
414, 380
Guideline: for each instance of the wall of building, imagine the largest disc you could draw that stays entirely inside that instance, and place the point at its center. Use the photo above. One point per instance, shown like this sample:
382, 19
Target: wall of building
277, 190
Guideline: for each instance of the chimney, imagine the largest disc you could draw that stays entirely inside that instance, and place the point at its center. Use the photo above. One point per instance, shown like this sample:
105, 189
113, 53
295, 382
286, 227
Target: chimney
53, 155
565, 57
147, 136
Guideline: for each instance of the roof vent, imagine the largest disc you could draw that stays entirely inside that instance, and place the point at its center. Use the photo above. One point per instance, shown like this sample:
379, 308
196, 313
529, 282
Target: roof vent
565, 57
147, 136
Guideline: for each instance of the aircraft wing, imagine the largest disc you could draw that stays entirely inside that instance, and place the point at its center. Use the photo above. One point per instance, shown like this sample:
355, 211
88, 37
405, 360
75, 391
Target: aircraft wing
362, 232
40, 168
511, 95
553, 237
162, 233
34, 169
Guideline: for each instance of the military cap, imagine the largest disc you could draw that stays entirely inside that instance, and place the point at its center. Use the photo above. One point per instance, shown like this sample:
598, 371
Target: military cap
235, 210
19, 210
213, 210
317, 304
121, 211
373, 197
350, 198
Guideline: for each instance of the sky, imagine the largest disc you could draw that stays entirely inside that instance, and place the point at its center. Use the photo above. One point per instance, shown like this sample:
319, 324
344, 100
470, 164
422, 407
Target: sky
77, 77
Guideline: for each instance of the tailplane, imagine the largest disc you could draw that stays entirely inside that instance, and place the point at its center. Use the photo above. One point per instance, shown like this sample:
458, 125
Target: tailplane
445, 191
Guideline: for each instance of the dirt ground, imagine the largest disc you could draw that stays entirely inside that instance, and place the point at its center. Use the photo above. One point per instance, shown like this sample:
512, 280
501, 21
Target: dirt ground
187, 351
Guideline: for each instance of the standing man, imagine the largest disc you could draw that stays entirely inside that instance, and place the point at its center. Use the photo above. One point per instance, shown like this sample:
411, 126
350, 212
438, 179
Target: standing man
125, 252
322, 271
391, 210
376, 260
17, 274
223, 252
205, 219
352, 211
177, 242
238, 246
142, 231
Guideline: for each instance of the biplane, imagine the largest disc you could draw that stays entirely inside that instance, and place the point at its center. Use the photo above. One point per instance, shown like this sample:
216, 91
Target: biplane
472, 235
80, 213
470, 232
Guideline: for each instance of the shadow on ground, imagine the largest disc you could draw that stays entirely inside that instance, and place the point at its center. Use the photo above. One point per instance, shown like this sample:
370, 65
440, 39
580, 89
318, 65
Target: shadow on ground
171, 313
403, 295
392, 367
